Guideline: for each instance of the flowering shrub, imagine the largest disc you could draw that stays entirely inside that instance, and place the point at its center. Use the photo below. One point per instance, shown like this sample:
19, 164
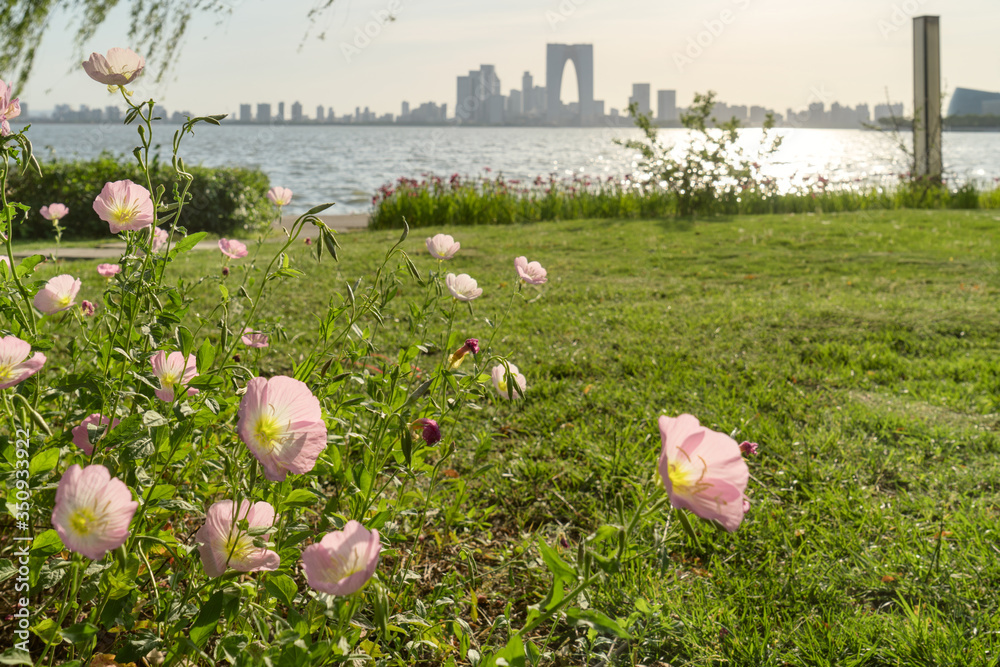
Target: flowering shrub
175, 504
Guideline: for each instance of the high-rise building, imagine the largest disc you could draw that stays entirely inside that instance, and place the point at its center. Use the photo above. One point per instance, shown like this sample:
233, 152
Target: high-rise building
404, 111
246, 115
515, 104
666, 105
112, 114
329, 115
319, 113
640, 96
281, 112
263, 113
465, 103
527, 85
297, 112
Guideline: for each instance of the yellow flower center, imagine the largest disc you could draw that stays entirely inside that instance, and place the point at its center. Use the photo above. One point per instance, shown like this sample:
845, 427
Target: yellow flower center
81, 520
168, 380
64, 301
684, 479
268, 432
502, 386
124, 211
239, 546
6, 373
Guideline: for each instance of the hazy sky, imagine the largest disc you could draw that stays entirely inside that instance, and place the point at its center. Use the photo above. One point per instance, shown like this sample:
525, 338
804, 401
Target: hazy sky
779, 53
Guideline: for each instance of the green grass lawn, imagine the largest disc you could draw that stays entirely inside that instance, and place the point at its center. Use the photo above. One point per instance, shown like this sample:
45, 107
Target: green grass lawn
862, 351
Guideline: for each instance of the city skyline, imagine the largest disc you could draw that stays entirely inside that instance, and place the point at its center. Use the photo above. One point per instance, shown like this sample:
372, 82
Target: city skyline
852, 52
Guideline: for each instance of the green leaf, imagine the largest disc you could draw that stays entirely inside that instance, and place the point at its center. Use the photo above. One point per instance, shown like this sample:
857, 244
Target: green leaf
224, 292
315, 210
80, 632
7, 569
206, 355
137, 645
559, 568
15, 657
46, 544
512, 654
187, 243
28, 264
298, 498
125, 431
185, 340
152, 418
43, 461
207, 619
282, 587
592, 618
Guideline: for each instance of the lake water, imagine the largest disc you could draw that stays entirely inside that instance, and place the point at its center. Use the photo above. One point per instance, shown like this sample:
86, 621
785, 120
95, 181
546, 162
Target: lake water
346, 164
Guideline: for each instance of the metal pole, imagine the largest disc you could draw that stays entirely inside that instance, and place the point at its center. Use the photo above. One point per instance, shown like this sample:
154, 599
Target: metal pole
927, 97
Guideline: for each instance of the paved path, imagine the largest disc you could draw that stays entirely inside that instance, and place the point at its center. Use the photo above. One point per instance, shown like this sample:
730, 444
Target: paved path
113, 249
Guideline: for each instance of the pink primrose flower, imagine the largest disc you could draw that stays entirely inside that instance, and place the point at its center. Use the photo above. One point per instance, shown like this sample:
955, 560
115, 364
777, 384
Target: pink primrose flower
171, 371
281, 423
124, 205
442, 246
703, 470
118, 68
429, 430
232, 248
58, 294
8, 108
160, 237
279, 195
499, 376
81, 438
108, 270
749, 448
92, 511
87, 309
54, 211
456, 358
253, 338
15, 366
343, 561
462, 286
530, 272
223, 545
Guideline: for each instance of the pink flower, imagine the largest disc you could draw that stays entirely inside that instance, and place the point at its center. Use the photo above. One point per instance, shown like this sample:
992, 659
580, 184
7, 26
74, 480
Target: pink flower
124, 205
499, 375
456, 358
54, 211
108, 270
702, 470
87, 309
442, 246
531, 273
58, 294
281, 423
253, 338
232, 248
429, 430
223, 545
81, 438
15, 366
279, 195
160, 237
462, 287
171, 371
92, 511
343, 561
749, 448
8, 108
119, 67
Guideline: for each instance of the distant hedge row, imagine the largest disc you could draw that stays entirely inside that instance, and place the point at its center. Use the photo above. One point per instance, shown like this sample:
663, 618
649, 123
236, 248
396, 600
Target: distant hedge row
224, 199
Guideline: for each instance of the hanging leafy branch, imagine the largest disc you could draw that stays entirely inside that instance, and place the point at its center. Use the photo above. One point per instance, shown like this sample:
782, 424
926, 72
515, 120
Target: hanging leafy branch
155, 26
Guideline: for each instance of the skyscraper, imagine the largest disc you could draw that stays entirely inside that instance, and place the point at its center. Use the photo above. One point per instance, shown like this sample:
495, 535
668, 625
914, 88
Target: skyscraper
527, 85
666, 105
296, 112
319, 113
263, 113
640, 96
281, 112
246, 114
